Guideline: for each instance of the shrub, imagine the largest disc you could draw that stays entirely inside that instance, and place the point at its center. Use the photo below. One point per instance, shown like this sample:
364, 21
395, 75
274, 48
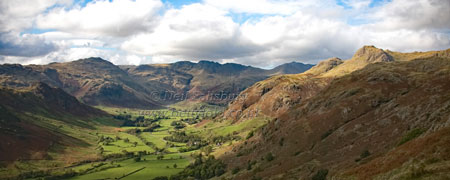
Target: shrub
235, 170
269, 157
202, 168
281, 142
417, 170
321, 175
364, 154
411, 135
249, 135
161, 178
326, 134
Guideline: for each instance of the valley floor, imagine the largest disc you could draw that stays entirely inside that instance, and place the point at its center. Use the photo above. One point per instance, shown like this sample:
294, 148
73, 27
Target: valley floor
134, 150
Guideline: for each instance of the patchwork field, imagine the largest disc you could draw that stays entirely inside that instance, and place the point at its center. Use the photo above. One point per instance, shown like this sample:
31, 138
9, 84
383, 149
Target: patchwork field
133, 144
135, 152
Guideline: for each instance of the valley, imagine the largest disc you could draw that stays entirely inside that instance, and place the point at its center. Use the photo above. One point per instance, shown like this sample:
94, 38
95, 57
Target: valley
224, 90
116, 147
344, 119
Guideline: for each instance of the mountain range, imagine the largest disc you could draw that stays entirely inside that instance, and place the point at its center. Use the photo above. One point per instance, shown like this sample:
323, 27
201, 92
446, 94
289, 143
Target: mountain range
95, 81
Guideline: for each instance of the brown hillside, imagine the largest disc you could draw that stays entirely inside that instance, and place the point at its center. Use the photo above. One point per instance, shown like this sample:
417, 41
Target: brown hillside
273, 96
359, 125
22, 133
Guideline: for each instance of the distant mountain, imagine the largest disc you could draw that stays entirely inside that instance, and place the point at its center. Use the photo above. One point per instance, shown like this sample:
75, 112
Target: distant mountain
95, 81
378, 115
291, 68
199, 80
25, 130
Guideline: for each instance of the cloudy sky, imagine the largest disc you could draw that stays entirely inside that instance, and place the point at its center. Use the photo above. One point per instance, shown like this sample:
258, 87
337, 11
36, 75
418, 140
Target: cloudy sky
261, 33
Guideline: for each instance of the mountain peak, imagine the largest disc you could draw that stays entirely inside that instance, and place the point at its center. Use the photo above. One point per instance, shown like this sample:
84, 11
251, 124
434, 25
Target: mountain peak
96, 60
207, 62
291, 68
325, 66
372, 54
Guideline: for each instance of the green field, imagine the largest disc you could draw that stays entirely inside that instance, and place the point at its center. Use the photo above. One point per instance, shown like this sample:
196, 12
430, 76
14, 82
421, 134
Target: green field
112, 149
152, 167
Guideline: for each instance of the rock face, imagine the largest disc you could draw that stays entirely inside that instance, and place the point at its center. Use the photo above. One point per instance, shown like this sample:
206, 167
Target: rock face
325, 66
377, 121
95, 81
372, 54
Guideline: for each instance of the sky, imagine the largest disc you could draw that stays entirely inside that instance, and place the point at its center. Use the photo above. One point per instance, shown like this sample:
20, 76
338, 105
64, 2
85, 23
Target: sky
261, 33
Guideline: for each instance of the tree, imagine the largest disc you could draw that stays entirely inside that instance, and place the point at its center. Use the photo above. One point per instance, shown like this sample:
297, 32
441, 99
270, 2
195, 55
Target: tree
161, 178
364, 154
321, 175
269, 156
235, 170
160, 157
207, 150
175, 165
249, 135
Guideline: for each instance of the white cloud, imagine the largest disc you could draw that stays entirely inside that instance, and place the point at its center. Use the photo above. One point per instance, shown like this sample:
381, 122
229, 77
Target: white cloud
277, 7
17, 15
414, 15
194, 32
75, 53
27, 45
276, 31
104, 18
408, 40
357, 4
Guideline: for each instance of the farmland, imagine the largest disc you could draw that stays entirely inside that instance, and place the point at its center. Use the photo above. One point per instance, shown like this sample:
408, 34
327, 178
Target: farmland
135, 151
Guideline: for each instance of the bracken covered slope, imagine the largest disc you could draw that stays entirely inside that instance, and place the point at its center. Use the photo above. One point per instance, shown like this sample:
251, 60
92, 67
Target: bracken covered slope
387, 119
24, 135
273, 96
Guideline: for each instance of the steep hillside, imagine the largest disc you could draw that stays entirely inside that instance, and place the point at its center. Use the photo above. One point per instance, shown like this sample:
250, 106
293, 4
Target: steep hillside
273, 96
25, 131
387, 120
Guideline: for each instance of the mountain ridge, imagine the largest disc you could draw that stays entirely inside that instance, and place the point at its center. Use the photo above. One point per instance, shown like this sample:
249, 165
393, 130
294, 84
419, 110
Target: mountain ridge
95, 81
349, 119
292, 89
